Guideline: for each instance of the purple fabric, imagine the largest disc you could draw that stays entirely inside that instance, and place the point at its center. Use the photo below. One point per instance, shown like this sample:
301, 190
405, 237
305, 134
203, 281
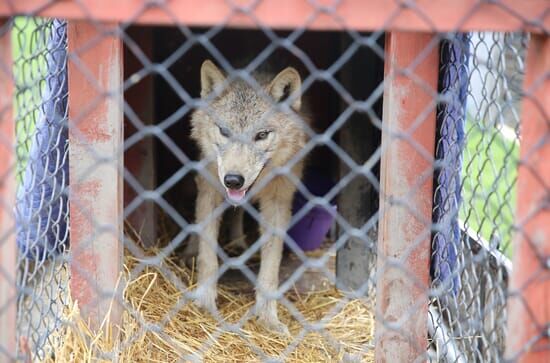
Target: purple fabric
453, 85
42, 204
310, 231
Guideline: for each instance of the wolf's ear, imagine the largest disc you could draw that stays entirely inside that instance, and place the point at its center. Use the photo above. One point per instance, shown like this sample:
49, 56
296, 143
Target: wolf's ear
211, 78
287, 83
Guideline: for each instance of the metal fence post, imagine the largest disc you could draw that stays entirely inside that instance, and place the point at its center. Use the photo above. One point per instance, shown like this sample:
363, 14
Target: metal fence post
8, 251
96, 157
408, 139
529, 304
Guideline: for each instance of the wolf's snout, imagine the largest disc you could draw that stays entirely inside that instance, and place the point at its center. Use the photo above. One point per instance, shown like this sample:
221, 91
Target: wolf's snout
233, 181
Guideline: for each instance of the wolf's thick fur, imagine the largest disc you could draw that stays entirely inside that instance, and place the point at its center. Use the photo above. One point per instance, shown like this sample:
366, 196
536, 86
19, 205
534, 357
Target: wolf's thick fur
242, 133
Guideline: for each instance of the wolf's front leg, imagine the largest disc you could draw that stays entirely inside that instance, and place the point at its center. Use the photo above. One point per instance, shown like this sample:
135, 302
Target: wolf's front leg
208, 199
276, 212
236, 232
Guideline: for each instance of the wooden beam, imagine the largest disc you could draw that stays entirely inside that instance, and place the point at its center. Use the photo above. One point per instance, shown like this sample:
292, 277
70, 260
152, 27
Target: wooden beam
419, 15
529, 297
95, 159
408, 139
8, 250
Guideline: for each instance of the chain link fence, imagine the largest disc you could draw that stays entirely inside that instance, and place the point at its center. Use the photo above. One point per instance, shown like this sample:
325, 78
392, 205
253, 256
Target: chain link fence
39, 57
478, 144
250, 170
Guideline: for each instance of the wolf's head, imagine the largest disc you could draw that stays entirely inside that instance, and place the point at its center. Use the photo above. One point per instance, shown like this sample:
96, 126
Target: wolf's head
243, 129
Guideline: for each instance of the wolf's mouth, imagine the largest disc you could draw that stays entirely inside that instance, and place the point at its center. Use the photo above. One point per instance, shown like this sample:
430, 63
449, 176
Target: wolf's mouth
236, 195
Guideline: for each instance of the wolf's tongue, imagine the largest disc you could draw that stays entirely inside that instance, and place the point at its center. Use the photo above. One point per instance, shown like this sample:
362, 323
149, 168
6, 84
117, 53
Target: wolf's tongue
236, 195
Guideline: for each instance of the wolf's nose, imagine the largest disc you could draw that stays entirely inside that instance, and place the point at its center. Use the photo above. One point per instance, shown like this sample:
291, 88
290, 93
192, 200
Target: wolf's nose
233, 181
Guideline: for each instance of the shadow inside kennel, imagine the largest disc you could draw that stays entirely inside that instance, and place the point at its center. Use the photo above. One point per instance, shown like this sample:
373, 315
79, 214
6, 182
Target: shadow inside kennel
352, 99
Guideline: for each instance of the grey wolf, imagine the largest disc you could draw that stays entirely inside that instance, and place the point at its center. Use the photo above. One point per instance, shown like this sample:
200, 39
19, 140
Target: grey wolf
245, 137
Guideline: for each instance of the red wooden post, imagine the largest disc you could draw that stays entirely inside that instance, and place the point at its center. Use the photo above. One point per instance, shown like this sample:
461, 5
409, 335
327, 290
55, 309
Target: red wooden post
96, 141
529, 302
443, 15
8, 252
408, 140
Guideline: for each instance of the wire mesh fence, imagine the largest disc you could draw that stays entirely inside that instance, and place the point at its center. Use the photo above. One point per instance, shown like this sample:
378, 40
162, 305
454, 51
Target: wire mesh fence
42, 234
476, 194
245, 175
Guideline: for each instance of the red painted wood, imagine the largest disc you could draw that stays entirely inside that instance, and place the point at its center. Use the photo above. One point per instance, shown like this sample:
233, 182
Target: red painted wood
529, 303
408, 140
423, 15
95, 132
8, 251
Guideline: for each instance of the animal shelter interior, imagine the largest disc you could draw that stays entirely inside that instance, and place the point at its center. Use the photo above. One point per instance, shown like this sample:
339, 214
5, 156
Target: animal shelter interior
299, 181
325, 106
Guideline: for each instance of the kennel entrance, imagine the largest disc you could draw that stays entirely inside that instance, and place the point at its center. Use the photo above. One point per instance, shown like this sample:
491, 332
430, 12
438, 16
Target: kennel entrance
406, 154
354, 133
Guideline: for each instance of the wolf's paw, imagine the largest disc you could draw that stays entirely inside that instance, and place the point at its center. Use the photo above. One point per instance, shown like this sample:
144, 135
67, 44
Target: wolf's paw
266, 311
190, 252
274, 325
205, 298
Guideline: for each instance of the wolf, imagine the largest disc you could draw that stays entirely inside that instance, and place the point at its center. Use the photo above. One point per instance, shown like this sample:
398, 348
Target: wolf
244, 137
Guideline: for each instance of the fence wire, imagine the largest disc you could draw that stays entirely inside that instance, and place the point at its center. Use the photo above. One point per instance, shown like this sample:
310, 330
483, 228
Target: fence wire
249, 165
42, 172
479, 144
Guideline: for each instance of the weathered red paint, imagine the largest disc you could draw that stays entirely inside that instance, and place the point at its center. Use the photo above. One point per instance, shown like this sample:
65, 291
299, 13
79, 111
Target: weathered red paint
529, 303
8, 252
81, 273
406, 197
87, 191
420, 15
95, 131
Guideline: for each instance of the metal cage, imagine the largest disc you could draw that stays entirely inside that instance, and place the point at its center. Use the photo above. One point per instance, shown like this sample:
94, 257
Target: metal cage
422, 210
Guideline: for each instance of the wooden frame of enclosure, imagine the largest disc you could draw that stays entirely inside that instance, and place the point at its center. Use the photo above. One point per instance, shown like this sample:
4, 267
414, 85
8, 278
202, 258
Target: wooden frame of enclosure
405, 228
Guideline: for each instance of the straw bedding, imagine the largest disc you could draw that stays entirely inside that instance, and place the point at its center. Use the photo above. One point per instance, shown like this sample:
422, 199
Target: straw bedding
166, 328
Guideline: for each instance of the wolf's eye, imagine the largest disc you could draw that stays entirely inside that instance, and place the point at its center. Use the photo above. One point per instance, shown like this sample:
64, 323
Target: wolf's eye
262, 135
224, 131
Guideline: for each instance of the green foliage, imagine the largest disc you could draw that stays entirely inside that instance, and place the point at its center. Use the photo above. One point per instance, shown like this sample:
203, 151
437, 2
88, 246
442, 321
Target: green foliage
29, 40
489, 183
